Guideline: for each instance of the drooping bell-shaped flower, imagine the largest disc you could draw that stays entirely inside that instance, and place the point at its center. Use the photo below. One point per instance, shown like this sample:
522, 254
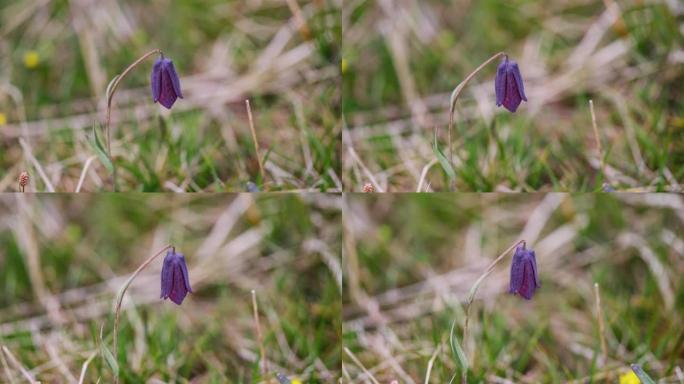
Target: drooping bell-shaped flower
165, 83
524, 278
508, 85
175, 283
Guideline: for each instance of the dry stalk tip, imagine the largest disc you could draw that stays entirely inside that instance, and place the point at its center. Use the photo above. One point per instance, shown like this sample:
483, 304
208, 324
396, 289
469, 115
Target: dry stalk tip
257, 325
256, 143
597, 139
602, 330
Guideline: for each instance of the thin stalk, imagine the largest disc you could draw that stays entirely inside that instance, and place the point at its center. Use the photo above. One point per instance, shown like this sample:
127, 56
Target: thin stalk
473, 291
597, 138
257, 325
299, 18
456, 93
9, 374
360, 365
431, 362
17, 365
602, 328
256, 143
120, 296
111, 90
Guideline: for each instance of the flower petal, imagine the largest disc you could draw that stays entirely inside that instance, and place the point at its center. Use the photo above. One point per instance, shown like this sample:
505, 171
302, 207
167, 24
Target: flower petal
516, 270
527, 287
167, 275
168, 95
534, 267
178, 291
518, 79
500, 82
512, 96
175, 81
184, 269
155, 80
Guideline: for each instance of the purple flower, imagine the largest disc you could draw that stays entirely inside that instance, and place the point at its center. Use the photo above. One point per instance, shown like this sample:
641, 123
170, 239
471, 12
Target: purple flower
165, 83
282, 379
524, 278
175, 283
509, 85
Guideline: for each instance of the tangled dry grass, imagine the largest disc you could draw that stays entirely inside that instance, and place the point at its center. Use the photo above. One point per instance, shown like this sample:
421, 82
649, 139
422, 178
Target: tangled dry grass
410, 262
404, 58
65, 257
283, 58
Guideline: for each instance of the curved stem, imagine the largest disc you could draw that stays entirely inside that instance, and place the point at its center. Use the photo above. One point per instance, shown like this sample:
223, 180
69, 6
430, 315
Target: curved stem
111, 90
456, 93
597, 139
473, 291
120, 296
256, 144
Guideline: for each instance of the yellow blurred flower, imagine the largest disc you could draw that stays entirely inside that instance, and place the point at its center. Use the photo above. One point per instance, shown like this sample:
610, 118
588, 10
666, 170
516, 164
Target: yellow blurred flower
629, 378
31, 59
296, 381
344, 65
678, 122
3, 119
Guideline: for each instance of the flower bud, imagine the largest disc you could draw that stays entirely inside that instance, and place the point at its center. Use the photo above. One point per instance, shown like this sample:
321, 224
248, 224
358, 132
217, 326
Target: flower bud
175, 283
165, 83
524, 278
508, 85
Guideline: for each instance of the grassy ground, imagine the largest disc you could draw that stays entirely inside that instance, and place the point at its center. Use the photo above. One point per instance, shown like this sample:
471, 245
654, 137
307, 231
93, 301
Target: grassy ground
58, 56
403, 59
411, 261
63, 258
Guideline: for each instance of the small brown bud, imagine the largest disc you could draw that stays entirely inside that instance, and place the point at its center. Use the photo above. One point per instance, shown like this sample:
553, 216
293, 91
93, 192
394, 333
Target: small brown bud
23, 180
368, 188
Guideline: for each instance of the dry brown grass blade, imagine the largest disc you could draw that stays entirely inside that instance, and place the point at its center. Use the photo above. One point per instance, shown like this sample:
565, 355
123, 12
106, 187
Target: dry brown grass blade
360, 365
17, 365
260, 337
256, 143
602, 328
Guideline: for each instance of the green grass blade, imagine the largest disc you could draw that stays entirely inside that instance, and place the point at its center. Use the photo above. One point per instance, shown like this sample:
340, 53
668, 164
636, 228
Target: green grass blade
444, 162
108, 356
456, 348
109, 86
100, 151
642, 375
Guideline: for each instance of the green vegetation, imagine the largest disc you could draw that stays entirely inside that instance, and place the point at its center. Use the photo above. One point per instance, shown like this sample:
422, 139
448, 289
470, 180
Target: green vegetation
412, 260
402, 61
57, 58
63, 259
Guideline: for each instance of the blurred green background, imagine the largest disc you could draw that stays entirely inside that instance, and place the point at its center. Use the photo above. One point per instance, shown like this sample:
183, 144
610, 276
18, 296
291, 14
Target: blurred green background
403, 59
58, 56
411, 261
63, 258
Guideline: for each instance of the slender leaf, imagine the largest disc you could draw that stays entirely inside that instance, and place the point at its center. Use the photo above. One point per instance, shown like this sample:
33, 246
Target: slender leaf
446, 165
100, 151
642, 375
107, 355
456, 348
109, 86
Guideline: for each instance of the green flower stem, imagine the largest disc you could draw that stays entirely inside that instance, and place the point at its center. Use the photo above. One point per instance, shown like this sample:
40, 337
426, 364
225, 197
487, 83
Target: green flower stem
111, 90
